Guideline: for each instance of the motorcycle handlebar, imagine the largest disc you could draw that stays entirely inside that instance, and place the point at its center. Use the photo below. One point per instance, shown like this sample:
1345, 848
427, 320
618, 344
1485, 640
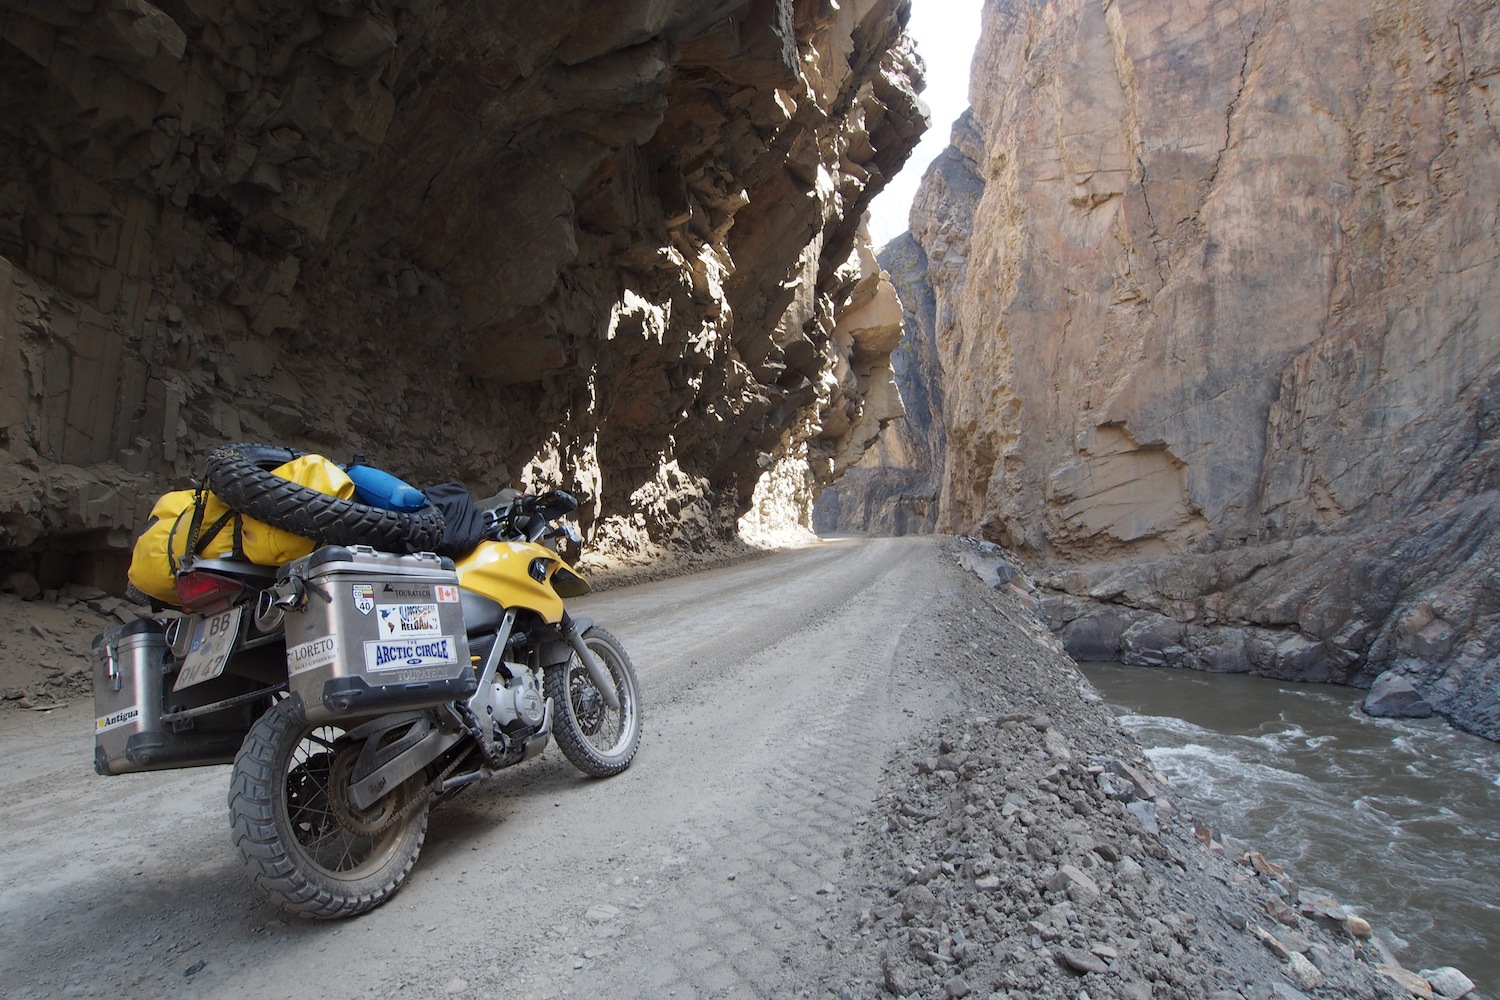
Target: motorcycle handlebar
530, 517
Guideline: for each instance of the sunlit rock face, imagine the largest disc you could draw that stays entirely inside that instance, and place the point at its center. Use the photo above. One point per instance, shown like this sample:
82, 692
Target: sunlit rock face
1217, 317
892, 489
604, 246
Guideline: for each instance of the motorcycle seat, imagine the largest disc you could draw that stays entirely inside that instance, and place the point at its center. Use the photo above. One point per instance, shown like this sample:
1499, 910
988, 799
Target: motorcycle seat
236, 567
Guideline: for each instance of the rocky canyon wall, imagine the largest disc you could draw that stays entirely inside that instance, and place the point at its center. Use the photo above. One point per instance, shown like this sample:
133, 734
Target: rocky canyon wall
893, 489
1219, 348
612, 247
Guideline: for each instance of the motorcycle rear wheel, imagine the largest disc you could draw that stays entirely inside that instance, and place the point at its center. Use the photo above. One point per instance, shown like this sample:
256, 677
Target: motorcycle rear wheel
596, 739
288, 829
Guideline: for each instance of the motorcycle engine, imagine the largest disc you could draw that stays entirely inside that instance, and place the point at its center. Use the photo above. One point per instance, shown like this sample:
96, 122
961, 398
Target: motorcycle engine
515, 698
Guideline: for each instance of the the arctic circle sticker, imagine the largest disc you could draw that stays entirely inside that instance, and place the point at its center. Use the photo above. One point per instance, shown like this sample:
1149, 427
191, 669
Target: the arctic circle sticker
404, 654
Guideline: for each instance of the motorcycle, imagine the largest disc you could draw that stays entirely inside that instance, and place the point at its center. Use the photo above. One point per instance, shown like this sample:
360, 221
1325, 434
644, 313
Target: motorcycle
353, 689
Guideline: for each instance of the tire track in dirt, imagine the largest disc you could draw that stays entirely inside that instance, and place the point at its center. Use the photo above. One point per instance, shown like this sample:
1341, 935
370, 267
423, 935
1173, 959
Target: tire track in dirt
763, 876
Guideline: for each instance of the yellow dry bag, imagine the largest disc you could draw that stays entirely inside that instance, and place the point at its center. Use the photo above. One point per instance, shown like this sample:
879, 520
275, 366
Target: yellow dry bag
160, 550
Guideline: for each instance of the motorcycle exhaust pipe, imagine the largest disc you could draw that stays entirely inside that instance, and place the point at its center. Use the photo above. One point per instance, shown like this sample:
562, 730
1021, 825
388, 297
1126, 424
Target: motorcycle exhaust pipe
268, 615
273, 604
597, 673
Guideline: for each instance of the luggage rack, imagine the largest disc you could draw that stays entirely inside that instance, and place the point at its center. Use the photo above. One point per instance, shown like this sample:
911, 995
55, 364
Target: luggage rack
219, 706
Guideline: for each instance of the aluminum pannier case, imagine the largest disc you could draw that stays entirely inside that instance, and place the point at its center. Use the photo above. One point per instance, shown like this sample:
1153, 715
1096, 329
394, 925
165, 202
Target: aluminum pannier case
379, 633
132, 688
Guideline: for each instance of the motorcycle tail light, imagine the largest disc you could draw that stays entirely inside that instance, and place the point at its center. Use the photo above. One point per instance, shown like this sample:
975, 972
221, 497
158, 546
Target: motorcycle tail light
199, 589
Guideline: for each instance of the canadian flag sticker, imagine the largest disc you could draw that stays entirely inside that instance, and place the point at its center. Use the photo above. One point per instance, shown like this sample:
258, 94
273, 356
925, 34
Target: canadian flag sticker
446, 595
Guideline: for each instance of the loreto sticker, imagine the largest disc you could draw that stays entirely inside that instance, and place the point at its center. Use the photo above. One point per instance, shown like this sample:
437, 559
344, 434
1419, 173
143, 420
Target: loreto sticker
364, 597
115, 720
409, 621
408, 654
310, 655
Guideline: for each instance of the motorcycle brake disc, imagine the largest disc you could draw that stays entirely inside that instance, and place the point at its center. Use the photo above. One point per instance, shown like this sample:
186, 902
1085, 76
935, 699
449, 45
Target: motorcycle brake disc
588, 706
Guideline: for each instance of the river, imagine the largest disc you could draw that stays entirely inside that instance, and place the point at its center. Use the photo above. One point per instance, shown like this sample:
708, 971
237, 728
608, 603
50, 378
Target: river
1399, 819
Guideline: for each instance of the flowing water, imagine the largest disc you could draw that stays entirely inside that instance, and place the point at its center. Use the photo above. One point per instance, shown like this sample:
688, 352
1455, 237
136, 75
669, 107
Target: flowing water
1399, 819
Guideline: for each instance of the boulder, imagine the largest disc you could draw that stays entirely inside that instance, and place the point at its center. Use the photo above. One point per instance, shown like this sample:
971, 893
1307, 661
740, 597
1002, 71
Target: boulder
1153, 641
986, 561
1071, 880
1394, 696
1407, 980
1096, 635
22, 584
1448, 983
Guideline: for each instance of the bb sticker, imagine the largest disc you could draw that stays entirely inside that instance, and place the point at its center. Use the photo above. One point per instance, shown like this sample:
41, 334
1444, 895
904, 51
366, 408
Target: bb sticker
446, 595
407, 654
115, 720
409, 621
364, 598
318, 653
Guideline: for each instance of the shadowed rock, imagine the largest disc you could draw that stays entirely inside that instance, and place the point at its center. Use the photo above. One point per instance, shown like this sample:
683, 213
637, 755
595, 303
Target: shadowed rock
488, 241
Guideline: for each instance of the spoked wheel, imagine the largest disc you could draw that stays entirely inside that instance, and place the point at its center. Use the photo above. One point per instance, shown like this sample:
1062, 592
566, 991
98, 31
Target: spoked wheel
598, 740
311, 848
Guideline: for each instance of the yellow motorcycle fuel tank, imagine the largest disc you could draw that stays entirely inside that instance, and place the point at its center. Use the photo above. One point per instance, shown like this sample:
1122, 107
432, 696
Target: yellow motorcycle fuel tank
521, 575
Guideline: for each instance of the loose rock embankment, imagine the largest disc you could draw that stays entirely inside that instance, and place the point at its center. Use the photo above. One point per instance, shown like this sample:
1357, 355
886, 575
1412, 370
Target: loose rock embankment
1028, 850
44, 643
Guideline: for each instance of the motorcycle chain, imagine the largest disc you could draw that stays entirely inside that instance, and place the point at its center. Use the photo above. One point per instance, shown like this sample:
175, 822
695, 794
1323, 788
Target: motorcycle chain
419, 796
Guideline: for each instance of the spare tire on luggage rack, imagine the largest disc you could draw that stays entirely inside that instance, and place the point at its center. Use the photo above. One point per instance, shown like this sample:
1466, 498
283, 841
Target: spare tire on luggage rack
241, 476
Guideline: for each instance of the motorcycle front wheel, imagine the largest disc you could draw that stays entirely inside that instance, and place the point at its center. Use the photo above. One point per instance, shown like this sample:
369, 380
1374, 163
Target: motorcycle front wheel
596, 739
310, 848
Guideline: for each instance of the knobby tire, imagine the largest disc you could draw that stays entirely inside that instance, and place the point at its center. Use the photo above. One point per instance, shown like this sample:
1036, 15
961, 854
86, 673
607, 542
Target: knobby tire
241, 476
281, 828
598, 741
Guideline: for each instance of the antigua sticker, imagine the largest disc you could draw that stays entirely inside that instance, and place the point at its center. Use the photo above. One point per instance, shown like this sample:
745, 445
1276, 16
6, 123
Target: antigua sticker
364, 597
115, 720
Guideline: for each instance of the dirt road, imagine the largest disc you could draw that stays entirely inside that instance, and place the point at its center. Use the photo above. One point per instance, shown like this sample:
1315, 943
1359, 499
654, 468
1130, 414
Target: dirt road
774, 692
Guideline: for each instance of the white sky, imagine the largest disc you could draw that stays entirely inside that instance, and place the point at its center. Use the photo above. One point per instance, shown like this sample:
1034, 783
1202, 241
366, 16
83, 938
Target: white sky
946, 32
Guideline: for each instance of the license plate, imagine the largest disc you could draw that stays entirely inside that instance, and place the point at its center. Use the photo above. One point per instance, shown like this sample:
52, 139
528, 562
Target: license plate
212, 640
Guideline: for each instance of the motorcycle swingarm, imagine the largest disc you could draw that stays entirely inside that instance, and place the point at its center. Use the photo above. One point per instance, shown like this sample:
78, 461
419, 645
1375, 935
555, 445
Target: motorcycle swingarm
368, 789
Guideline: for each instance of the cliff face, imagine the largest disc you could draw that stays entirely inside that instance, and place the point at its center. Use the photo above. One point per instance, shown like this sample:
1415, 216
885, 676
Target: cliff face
488, 241
1222, 354
893, 488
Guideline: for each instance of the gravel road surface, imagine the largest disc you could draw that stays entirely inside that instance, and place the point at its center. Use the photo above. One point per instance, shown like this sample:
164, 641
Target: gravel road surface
774, 692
